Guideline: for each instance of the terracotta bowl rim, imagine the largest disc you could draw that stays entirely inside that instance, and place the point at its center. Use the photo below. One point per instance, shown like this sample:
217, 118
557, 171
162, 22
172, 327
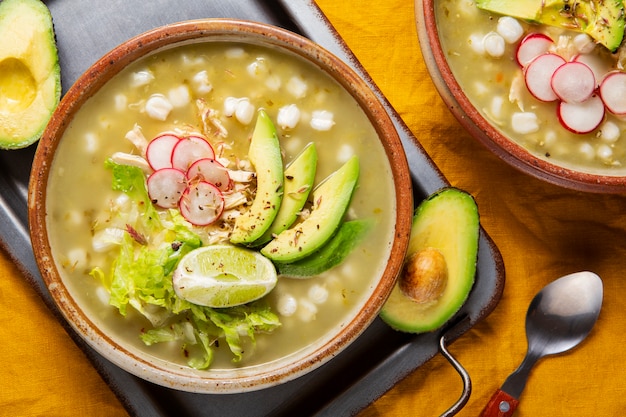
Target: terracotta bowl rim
480, 128
204, 30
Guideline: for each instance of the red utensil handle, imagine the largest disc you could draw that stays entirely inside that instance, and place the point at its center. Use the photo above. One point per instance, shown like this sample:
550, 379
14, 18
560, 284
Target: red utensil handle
501, 404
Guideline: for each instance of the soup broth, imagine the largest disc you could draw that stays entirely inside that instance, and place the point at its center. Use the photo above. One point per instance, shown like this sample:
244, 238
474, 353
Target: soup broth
495, 85
80, 199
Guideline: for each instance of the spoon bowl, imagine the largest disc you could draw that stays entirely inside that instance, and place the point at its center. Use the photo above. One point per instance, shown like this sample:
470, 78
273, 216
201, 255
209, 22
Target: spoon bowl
559, 317
563, 313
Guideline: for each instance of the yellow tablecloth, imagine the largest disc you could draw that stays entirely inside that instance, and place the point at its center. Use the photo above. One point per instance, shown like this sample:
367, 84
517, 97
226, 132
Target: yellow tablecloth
542, 231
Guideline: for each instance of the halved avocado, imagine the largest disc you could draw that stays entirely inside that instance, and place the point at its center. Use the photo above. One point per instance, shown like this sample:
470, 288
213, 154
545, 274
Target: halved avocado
264, 154
447, 223
330, 201
30, 76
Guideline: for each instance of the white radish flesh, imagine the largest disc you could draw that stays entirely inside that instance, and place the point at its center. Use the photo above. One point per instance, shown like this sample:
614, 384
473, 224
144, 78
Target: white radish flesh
166, 186
532, 46
538, 76
613, 92
573, 82
582, 117
210, 170
190, 149
202, 203
159, 151
598, 65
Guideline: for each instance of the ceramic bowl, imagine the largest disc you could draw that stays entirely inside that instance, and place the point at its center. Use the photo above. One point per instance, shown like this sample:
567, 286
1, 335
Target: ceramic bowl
152, 367
526, 155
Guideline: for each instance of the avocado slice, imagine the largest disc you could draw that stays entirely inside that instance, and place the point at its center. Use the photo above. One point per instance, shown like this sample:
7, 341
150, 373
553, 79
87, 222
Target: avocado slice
30, 76
446, 223
521, 9
299, 178
603, 20
264, 154
330, 201
340, 245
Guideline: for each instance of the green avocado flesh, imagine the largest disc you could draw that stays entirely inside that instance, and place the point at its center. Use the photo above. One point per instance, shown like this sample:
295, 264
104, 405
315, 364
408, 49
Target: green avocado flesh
603, 20
347, 237
330, 202
264, 154
447, 221
299, 177
30, 76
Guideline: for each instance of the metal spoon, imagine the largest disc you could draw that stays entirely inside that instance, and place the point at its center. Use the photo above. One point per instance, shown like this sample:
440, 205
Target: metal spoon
559, 317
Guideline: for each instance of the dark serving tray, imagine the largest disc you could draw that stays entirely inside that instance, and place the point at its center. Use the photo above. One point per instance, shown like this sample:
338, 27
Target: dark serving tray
378, 359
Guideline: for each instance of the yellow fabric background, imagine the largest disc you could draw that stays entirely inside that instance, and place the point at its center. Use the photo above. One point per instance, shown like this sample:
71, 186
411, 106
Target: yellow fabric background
542, 231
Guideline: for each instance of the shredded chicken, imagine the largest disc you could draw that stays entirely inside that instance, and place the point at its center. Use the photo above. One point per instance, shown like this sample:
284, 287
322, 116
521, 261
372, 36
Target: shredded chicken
235, 199
210, 120
516, 92
241, 176
136, 137
124, 158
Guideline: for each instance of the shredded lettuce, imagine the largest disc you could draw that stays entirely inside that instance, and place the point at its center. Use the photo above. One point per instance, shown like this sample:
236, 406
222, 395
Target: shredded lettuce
131, 181
141, 277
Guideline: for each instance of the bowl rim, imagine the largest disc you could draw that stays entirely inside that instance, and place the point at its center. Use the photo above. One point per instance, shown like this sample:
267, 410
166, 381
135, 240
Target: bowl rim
206, 30
480, 128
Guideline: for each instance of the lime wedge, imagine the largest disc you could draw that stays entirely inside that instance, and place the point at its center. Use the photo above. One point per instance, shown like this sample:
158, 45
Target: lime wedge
223, 276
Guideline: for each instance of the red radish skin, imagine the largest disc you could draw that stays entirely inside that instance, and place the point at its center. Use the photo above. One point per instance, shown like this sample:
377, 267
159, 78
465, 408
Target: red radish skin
613, 92
538, 76
573, 82
533, 45
190, 149
210, 170
166, 186
159, 151
582, 117
202, 203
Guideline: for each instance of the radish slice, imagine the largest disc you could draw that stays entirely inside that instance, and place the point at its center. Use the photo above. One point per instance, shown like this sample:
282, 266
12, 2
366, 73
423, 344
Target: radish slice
166, 186
613, 92
598, 65
202, 203
538, 76
189, 150
209, 170
532, 46
159, 151
573, 82
581, 117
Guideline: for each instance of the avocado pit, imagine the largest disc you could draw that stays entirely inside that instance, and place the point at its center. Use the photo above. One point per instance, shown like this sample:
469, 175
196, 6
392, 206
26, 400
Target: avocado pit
17, 84
425, 276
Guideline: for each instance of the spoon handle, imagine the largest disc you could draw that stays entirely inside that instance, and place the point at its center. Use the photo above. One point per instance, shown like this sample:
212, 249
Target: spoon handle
501, 404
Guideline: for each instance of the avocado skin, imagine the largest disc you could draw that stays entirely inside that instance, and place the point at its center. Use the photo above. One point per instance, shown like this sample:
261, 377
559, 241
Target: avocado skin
266, 157
603, 20
348, 236
448, 221
34, 52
